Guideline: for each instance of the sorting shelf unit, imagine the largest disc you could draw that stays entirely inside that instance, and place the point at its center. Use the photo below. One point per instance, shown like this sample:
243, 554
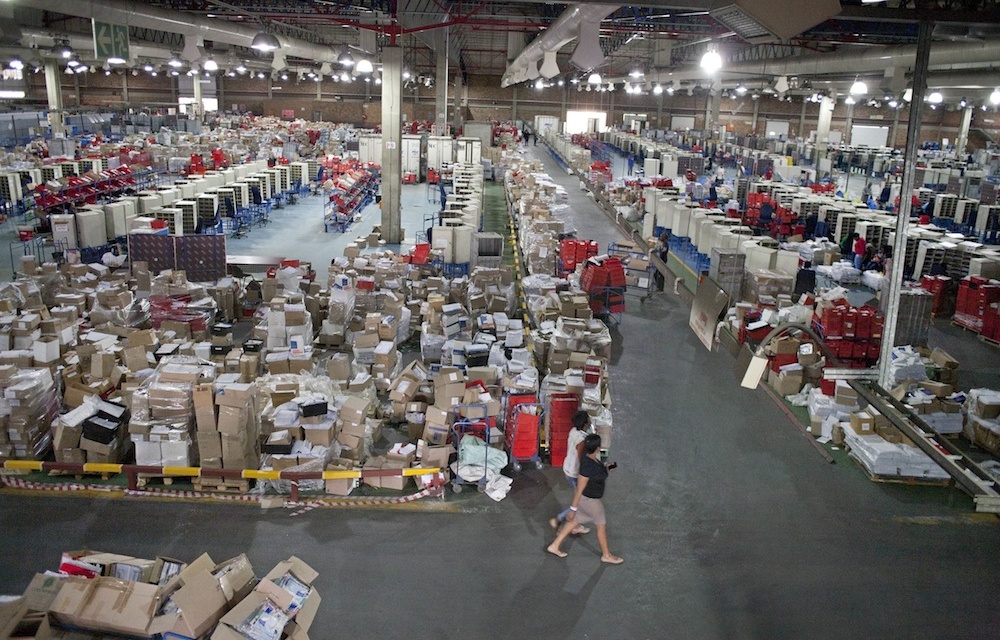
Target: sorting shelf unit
208, 206
352, 192
487, 249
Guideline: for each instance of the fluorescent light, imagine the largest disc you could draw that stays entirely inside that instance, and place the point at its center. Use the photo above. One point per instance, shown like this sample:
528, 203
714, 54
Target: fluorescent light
935, 97
211, 65
657, 90
539, 84
595, 78
895, 103
859, 88
241, 69
636, 73
850, 100
73, 62
995, 97
175, 62
711, 61
147, 68
116, 60
11, 94
364, 66
406, 74
16, 63
741, 90
344, 77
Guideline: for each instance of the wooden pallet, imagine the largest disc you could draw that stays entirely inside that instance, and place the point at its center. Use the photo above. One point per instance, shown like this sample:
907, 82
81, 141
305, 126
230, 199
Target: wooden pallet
908, 480
221, 485
989, 341
962, 326
145, 479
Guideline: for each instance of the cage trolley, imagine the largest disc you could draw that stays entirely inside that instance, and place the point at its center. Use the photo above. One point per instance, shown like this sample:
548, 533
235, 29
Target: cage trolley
522, 434
638, 266
480, 428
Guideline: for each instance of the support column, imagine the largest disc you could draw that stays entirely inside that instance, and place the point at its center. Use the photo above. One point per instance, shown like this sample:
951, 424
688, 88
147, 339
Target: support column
199, 106
392, 137
714, 107
125, 87
54, 91
895, 127
76, 89
825, 118
220, 85
441, 88
513, 103
457, 121
756, 112
963, 131
903, 217
563, 111
802, 122
849, 127
659, 112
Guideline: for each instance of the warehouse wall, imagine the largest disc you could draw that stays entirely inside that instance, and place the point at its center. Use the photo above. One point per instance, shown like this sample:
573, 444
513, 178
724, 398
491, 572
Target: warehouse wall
483, 99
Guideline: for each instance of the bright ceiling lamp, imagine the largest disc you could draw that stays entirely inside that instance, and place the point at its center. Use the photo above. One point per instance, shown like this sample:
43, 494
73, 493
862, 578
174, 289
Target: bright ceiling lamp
539, 84
265, 42
345, 58
908, 95
595, 78
741, 89
895, 103
147, 67
63, 50
850, 100
711, 62
11, 94
344, 77
175, 62
636, 73
670, 89
364, 65
17, 64
859, 88
935, 97
116, 60
549, 68
657, 90
995, 97
211, 65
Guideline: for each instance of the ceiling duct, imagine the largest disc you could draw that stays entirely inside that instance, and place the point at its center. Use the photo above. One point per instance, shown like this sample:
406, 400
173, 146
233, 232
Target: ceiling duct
141, 14
588, 53
550, 67
564, 30
758, 21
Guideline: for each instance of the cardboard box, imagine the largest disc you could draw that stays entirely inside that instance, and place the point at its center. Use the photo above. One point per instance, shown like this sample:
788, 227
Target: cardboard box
845, 394
354, 410
863, 423
236, 395
232, 420
106, 604
340, 486
939, 389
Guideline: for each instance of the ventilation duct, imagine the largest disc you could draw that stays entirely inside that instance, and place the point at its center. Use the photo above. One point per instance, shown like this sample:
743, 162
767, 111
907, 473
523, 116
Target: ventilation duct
588, 53
564, 30
550, 68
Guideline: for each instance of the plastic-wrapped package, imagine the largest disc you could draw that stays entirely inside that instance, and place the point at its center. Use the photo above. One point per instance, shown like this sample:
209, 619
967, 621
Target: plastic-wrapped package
431, 345
314, 459
199, 315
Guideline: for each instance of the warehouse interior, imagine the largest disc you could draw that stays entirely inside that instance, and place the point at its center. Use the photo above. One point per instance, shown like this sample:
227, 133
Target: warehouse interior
319, 286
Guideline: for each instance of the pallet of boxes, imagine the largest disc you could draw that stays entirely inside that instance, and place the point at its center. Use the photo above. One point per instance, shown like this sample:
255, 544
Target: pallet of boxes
101, 595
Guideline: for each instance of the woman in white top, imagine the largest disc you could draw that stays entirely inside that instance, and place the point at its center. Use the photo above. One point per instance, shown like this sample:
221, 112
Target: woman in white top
571, 464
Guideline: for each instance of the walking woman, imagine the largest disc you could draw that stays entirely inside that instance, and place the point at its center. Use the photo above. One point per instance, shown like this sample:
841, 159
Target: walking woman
587, 506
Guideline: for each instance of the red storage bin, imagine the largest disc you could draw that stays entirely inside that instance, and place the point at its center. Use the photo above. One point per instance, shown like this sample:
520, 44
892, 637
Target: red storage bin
828, 387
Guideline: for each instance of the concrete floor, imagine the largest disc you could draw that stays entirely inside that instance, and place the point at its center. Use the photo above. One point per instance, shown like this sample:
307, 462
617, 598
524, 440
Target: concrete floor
730, 523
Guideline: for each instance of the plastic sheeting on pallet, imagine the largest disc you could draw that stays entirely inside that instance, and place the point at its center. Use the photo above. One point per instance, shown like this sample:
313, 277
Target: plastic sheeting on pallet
883, 458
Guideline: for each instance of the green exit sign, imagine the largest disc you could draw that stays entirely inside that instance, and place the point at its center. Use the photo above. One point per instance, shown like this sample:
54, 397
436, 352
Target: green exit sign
110, 40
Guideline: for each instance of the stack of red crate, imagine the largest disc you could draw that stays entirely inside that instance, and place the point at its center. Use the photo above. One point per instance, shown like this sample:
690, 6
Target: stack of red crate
976, 297
562, 406
852, 334
573, 252
944, 294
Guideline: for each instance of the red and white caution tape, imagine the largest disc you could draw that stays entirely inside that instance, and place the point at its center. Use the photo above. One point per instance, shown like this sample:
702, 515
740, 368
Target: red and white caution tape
165, 493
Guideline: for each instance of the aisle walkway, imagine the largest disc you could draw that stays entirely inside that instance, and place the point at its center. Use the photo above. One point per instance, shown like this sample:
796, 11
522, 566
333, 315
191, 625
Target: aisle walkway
730, 523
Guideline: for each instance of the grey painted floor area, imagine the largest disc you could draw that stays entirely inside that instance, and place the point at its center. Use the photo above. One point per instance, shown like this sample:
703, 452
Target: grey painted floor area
730, 523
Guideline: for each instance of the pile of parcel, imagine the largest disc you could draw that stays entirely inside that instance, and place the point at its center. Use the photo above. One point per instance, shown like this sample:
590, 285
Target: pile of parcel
100, 595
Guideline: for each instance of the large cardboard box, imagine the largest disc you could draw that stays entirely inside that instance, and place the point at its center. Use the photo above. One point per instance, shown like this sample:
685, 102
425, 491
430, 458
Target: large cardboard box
863, 423
107, 604
340, 486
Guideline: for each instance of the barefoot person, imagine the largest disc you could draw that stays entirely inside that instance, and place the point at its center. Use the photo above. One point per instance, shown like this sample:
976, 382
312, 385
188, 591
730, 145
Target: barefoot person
587, 506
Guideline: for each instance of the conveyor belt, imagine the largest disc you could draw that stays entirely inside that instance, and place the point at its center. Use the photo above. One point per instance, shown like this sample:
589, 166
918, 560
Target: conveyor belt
967, 474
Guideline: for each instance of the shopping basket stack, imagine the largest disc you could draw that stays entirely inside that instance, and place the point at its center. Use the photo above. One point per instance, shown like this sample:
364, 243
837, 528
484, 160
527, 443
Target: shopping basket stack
573, 252
604, 280
562, 406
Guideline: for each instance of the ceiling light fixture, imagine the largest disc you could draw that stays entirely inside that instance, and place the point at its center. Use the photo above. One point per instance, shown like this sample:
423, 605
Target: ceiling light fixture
859, 88
16, 63
595, 78
63, 50
211, 65
711, 62
893, 103
265, 42
850, 100
241, 69
995, 97
364, 66
116, 60
345, 58
935, 97
175, 62
73, 62
657, 90
635, 73
741, 89
963, 103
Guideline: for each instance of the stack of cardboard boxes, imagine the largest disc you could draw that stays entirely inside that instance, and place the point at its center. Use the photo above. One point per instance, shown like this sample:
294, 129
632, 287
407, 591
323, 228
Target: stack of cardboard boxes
31, 403
107, 593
